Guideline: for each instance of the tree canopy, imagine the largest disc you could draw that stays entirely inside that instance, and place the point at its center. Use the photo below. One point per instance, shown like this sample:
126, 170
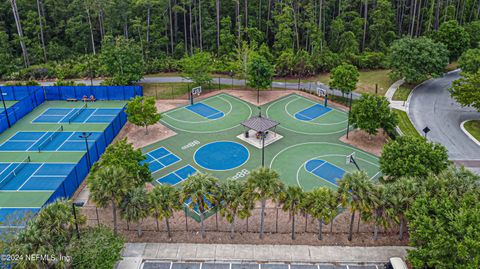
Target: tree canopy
197, 68
142, 111
469, 62
417, 59
466, 90
454, 37
412, 156
372, 112
344, 78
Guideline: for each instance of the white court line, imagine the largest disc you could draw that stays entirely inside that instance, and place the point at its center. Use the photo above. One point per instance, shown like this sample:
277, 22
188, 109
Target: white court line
219, 112
36, 141
21, 140
6, 168
30, 177
324, 162
60, 121
85, 121
66, 140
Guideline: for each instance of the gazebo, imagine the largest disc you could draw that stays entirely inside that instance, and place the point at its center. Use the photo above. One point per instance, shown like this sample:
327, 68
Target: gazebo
258, 131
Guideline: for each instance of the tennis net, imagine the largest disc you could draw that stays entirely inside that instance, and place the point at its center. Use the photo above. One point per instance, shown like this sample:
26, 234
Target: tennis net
15, 171
77, 113
50, 138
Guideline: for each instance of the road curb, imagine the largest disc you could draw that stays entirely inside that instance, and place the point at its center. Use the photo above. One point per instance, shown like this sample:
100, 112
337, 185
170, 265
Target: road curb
468, 134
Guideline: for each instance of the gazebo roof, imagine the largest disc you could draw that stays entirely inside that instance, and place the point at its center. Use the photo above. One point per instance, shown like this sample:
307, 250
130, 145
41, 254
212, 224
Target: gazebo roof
260, 124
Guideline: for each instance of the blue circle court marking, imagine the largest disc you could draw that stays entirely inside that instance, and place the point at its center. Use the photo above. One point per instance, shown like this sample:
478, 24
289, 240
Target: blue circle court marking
221, 155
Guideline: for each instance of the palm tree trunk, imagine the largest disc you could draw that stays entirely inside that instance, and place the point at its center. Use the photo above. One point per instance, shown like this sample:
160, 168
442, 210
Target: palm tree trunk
320, 226
167, 222
293, 226
358, 223
262, 218
350, 232
139, 229
402, 222
202, 225
375, 232
306, 222
331, 226
232, 228
114, 212
156, 221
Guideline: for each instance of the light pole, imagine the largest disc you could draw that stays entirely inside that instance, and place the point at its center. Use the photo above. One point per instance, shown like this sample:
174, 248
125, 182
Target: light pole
349, 109
85, 136
263, 149
79, 204
5, 108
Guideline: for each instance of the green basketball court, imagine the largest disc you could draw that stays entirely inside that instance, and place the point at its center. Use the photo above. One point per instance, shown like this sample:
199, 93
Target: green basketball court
309, 154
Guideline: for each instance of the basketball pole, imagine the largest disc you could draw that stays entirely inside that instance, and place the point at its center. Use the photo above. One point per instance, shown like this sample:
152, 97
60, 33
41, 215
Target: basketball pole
355, 163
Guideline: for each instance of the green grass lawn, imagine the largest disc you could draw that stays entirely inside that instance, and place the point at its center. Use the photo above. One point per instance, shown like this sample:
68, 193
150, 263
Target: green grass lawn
405, 124
403, 92
366, 81
473, 127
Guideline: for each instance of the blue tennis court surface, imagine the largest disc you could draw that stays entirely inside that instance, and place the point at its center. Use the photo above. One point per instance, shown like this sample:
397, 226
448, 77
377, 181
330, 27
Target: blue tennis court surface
33, 176
159, 159
206, 111
325, 170
48, 141
14, 217
78, 115
177, 176
312, 112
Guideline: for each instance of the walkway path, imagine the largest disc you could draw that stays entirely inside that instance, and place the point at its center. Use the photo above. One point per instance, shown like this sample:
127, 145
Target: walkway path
400, 105
134, 254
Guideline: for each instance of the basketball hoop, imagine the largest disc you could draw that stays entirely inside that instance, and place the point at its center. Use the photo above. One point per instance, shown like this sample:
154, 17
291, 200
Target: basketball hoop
321, 92
197, 91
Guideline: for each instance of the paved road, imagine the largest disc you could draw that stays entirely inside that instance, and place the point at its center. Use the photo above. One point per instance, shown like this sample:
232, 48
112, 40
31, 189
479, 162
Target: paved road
431, 105
226, 81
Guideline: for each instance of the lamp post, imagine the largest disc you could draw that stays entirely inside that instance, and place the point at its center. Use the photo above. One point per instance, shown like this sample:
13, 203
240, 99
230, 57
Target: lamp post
263, 149
349, 109
79, 204
85, 136
5, 107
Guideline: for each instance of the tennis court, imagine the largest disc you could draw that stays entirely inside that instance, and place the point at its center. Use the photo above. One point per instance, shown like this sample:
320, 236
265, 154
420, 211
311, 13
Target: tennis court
78, 115
28, 176
48, 141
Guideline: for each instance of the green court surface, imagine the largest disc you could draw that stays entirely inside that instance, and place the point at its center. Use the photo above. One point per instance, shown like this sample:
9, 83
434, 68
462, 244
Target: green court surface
20, 198
304, 142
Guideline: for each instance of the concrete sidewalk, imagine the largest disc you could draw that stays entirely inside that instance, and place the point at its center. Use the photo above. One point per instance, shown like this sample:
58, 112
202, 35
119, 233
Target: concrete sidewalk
134, 254
400, 105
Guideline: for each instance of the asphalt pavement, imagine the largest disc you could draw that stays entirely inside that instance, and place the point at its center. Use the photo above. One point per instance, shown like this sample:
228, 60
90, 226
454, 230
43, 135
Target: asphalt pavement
431, 105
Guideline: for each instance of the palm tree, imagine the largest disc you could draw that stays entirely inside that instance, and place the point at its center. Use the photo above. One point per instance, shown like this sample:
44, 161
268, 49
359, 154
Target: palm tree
264, 183
234, 202
321, 203
108, 185
135, 207
200, 189
378, 203
353, 191
292, 200
401, 195
164, 200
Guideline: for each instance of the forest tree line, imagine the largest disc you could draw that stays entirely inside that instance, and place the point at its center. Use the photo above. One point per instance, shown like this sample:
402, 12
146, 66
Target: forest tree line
62, 38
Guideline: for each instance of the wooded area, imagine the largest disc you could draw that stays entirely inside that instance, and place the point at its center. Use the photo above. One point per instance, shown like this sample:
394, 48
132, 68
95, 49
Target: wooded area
325, 33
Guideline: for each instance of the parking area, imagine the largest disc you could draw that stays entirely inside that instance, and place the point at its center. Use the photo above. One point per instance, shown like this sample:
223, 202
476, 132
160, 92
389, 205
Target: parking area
182, 265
